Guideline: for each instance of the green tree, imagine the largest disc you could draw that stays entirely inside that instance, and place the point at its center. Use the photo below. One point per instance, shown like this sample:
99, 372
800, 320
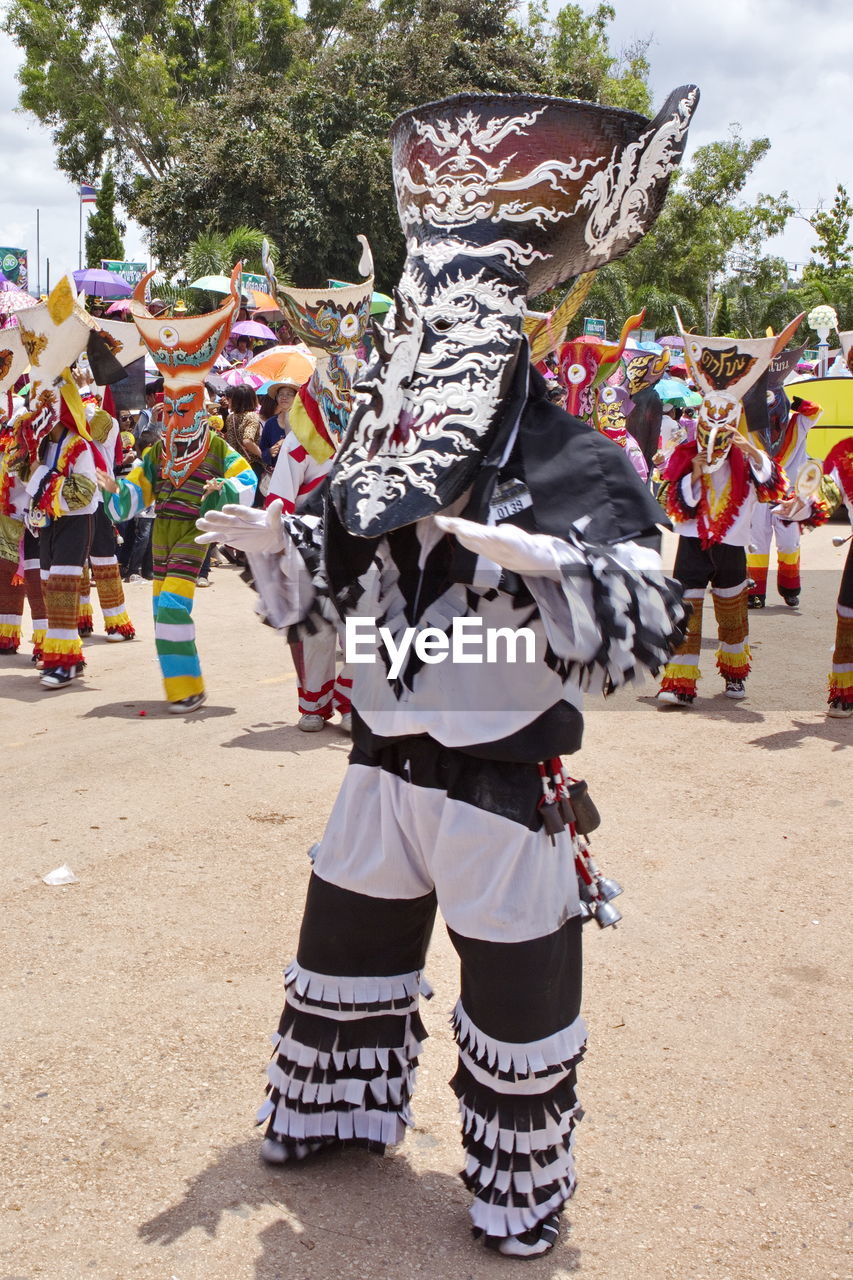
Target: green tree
704, 231
245, 113
104, 232
833, 250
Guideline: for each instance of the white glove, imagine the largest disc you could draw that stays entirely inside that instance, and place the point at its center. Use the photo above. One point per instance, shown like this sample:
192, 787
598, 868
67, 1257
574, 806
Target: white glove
795, 508
508, 546
246, 528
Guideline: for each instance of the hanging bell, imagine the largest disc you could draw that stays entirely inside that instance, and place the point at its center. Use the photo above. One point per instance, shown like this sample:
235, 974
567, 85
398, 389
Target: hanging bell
606, 914
552, 819
608, 889
587, 817
564, 804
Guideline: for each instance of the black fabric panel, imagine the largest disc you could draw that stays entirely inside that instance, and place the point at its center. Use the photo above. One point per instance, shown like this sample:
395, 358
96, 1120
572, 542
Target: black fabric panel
103, 534
354, 935
326, 1035
506, 788
519, 1112
720, 565
65, 541
558, 731
522, 991
574, 471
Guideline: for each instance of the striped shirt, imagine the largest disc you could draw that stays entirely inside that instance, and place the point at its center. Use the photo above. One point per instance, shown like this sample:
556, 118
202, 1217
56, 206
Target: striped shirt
145, 484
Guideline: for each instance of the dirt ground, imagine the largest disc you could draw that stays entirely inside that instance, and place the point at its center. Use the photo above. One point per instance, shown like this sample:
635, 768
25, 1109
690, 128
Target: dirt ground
135, 1005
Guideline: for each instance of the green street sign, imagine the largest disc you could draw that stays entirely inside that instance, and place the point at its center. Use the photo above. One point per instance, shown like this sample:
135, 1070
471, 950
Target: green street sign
594, 328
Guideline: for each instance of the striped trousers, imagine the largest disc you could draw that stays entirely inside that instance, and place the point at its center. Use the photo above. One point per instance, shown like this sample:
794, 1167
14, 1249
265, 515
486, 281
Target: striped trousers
764, 527
417, 826
322, 691
103, 568
841, 676
177, 561
63, 549
723, 567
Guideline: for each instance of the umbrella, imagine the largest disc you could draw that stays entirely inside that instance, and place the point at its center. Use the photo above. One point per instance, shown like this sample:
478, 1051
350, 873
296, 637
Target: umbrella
380, 303
284, 364
102, 284
264, 302
674, 391
242, 378
116, 308
672, 340
213, 284
253, 329
13, 299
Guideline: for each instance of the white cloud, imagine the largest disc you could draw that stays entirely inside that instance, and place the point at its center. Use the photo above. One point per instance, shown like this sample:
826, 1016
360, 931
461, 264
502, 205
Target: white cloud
781, 68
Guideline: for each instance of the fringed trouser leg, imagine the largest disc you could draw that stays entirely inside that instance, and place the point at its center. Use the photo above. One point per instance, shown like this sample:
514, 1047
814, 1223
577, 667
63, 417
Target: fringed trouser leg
11, 584
177, 561
105, 571
841, 676
85, 616
35, 595
63, 548
413, 824
758, 556
731, 611
694, 569
787, 555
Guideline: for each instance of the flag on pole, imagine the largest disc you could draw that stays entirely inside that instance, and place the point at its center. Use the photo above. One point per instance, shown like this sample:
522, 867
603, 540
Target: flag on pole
88, 194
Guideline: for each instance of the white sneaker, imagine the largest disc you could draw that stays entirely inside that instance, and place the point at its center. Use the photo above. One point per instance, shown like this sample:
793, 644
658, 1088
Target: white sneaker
117, 637
345, 722
136, 577
735, 689
203, 582
669, 698
838, 712
311, 724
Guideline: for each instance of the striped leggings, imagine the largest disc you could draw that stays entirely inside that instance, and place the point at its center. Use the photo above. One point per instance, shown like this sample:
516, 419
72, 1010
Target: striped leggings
177, 561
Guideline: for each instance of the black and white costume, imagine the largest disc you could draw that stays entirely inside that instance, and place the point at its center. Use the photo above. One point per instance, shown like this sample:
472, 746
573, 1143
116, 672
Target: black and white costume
462, 493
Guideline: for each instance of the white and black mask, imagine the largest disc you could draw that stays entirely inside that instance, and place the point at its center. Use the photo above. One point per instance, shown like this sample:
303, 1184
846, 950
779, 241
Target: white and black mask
499, 197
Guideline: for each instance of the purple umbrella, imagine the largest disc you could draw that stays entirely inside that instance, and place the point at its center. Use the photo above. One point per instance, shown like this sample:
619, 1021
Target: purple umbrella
672, 340
252, 329
102, 284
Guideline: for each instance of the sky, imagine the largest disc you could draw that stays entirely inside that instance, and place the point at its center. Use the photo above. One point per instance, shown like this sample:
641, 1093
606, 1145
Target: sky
781, 68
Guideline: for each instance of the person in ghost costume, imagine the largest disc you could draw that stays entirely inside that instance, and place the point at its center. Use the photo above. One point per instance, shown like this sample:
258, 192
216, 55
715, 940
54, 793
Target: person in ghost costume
463, 500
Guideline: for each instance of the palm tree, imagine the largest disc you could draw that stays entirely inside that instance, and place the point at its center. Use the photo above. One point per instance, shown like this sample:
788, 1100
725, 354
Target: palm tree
214, 253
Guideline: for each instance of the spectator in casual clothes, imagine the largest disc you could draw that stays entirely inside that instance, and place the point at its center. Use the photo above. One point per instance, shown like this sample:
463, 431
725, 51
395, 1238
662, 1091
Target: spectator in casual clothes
151, 417
140, 559
243, 429
280, 396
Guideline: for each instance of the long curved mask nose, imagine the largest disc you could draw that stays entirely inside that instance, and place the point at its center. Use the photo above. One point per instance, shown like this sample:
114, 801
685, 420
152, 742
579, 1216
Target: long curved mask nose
499, 198
725, 370
184, 350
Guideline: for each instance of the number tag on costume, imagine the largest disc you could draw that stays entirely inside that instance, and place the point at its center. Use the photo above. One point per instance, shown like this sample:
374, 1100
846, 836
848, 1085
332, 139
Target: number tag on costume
509, 498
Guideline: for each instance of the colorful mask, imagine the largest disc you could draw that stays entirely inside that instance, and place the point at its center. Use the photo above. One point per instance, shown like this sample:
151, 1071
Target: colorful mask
332, 323
184, 351
499, 198
53, 334
613, 406
724, 370
584, 365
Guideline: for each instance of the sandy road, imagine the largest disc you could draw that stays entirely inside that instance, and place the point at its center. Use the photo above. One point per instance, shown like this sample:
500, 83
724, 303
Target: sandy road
135, 1005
